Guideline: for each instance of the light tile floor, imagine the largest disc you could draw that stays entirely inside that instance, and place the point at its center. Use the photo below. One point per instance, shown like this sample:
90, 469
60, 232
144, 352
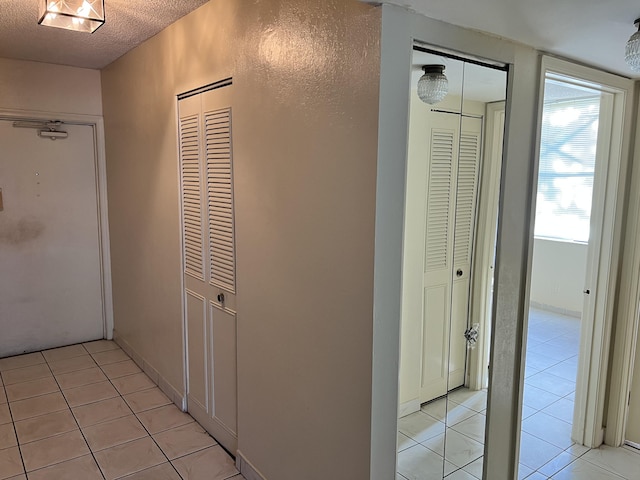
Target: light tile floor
87, 412
546, 450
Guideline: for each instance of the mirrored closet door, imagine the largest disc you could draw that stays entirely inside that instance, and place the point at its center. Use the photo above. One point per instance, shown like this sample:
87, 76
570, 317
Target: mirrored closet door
456, 129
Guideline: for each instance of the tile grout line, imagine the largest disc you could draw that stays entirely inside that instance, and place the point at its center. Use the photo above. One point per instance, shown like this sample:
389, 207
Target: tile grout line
561, 397
74, 417
13, 423
601, 466
554, 473
71, 411
119, 395
136, 416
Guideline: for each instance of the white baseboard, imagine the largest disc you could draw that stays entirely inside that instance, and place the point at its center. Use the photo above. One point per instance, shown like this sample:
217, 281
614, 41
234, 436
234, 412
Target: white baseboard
174, 395
551, 308
406, 408
632, 444
248, 471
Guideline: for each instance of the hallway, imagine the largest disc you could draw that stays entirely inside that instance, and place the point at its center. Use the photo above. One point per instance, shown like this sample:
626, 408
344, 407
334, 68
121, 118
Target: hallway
546, 448
88, 412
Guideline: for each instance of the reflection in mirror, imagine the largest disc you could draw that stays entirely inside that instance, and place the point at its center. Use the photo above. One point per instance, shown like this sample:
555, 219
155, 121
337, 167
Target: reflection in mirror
453, 177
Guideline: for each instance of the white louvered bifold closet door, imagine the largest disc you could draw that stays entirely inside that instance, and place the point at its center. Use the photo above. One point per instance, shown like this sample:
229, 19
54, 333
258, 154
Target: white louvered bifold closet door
206, 166
464, 240
451, 198
439, 227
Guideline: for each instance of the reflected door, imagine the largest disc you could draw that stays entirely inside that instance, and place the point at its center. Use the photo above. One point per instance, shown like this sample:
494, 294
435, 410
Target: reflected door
452, 178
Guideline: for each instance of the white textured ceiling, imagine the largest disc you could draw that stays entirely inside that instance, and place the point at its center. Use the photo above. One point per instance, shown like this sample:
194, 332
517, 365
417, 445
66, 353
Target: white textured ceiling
591, 31
128, 23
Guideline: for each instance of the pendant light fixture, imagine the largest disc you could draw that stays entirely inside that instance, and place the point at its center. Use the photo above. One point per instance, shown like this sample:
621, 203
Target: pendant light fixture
632, 51
433, 86
79, 15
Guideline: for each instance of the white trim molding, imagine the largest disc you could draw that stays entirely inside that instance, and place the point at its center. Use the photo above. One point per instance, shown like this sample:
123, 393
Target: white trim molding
627, 315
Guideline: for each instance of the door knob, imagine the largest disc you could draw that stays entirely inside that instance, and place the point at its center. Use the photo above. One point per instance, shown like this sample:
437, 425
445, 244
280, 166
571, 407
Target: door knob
587, 291
221, 297
459, 272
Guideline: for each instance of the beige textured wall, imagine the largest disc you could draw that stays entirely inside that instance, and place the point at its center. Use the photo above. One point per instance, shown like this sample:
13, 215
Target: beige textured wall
44, 87
305, 133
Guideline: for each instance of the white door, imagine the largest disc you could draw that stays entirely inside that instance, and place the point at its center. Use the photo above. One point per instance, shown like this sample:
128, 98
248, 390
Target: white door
50, 267
209, 261
452, 177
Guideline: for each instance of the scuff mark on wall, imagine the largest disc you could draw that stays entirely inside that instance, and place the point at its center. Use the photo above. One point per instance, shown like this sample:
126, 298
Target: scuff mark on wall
18, 232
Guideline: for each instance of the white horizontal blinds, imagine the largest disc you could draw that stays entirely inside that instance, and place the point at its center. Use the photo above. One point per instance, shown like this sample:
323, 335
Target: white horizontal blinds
468, 167
220, 198
439, 199
191, 199
568, 143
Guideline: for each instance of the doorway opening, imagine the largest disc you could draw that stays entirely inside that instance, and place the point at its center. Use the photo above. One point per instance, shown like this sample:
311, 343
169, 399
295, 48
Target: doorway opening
55, 286
572, 266
571, 119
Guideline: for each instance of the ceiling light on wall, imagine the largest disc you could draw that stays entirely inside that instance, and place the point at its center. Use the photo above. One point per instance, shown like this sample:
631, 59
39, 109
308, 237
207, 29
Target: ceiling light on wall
632, 51
79, 15
433, 85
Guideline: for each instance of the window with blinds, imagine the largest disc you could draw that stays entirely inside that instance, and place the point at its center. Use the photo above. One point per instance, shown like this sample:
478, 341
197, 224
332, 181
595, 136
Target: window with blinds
566, 170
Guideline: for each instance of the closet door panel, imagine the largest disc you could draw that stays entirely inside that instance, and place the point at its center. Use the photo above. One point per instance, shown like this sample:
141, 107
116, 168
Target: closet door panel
224, 367
198, 351
209, 256
439, 230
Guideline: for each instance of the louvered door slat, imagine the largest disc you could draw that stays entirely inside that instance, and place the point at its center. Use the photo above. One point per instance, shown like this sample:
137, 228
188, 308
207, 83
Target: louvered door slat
191, 203
439, 199
468, 163
220, 198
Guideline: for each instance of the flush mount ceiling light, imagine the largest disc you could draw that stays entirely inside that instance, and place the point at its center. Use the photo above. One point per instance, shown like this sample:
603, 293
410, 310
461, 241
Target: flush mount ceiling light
632, 51
433, 85
79, 15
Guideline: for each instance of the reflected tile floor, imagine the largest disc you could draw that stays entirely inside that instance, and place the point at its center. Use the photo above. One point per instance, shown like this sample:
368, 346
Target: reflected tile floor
88, 412
546, 449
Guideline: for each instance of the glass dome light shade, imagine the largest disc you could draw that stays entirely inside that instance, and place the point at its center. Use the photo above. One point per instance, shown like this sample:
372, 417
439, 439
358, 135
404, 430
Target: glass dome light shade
433, 86
632, 50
